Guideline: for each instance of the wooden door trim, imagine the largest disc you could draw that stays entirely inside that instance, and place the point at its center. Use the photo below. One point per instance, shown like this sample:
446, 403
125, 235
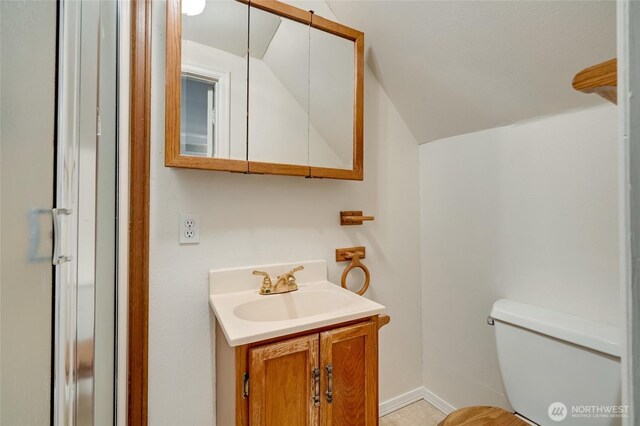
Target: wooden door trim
138, 279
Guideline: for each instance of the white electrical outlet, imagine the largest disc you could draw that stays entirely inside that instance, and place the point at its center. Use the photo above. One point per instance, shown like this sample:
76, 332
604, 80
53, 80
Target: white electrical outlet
189, 228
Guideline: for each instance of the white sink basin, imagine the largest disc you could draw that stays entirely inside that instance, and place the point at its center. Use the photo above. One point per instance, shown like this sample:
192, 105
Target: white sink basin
294, 305
247, 316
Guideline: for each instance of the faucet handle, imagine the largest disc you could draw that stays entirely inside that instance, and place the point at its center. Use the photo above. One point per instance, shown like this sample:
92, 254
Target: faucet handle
291, 279
266, 281
296, 269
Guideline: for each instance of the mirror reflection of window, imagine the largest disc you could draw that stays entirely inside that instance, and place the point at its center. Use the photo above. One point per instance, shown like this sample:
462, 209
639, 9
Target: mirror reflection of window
214, 79
197, 124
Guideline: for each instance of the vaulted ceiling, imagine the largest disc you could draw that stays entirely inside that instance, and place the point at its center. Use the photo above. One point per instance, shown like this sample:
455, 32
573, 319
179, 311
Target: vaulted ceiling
454, 67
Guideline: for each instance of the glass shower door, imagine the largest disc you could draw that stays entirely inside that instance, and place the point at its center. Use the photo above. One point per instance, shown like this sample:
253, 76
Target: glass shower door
58, 174
27, 163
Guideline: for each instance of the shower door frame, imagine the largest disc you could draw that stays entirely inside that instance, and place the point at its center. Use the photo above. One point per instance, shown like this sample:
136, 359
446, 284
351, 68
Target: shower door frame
628, 27
64, 367
78, 136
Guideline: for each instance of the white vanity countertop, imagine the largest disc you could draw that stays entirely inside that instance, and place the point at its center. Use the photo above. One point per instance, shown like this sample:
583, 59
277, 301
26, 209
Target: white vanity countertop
246, 316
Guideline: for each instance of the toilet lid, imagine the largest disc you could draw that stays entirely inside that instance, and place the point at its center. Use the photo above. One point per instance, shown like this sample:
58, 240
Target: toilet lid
479, 416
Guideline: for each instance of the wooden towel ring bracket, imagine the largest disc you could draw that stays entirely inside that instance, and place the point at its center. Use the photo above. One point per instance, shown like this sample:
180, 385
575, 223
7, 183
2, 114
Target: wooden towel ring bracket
346, 254
354, 254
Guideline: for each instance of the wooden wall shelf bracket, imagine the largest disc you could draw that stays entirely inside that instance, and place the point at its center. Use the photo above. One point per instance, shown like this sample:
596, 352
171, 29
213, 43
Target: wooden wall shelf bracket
601, 79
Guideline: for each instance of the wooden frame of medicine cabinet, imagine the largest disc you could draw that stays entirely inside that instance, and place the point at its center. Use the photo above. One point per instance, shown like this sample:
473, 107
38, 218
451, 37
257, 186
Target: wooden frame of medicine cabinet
173, 87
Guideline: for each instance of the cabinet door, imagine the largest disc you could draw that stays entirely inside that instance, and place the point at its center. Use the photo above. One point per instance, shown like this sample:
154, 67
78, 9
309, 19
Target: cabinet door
279, 91
282, 383
349, 372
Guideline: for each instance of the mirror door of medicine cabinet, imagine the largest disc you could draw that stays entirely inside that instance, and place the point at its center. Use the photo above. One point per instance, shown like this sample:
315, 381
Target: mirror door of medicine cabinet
278, 93
213, 82
331, 100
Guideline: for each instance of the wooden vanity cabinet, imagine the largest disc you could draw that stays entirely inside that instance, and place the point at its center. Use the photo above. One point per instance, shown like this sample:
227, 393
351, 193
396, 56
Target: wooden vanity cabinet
327, 376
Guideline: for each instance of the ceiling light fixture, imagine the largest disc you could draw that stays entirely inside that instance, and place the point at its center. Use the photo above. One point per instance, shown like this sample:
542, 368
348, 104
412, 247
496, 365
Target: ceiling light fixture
193, 7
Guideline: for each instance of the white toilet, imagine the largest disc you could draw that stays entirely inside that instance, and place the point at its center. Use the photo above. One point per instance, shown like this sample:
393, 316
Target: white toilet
556, 368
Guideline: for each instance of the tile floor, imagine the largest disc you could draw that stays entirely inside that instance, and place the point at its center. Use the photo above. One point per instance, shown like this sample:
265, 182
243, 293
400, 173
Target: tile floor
419, 413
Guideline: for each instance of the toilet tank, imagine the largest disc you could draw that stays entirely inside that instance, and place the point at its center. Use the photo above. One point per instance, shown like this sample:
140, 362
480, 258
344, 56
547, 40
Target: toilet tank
548, 357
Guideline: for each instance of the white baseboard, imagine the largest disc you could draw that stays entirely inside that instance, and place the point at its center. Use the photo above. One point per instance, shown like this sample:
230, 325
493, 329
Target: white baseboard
415, 395
437, 402
400, 401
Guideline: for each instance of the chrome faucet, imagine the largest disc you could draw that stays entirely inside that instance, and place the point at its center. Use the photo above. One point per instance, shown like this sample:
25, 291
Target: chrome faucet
284, 283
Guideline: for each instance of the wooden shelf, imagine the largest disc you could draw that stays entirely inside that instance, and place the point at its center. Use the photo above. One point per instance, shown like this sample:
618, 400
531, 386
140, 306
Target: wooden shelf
601, 79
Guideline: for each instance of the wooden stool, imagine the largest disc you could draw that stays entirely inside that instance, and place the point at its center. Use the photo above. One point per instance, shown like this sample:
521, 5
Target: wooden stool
480, 416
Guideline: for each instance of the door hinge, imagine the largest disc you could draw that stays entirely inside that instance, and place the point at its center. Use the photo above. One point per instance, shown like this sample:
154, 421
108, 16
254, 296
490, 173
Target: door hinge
245, 385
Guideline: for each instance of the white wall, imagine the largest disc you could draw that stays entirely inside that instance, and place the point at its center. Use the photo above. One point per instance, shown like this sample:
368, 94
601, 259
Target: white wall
251, 219
527, 212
